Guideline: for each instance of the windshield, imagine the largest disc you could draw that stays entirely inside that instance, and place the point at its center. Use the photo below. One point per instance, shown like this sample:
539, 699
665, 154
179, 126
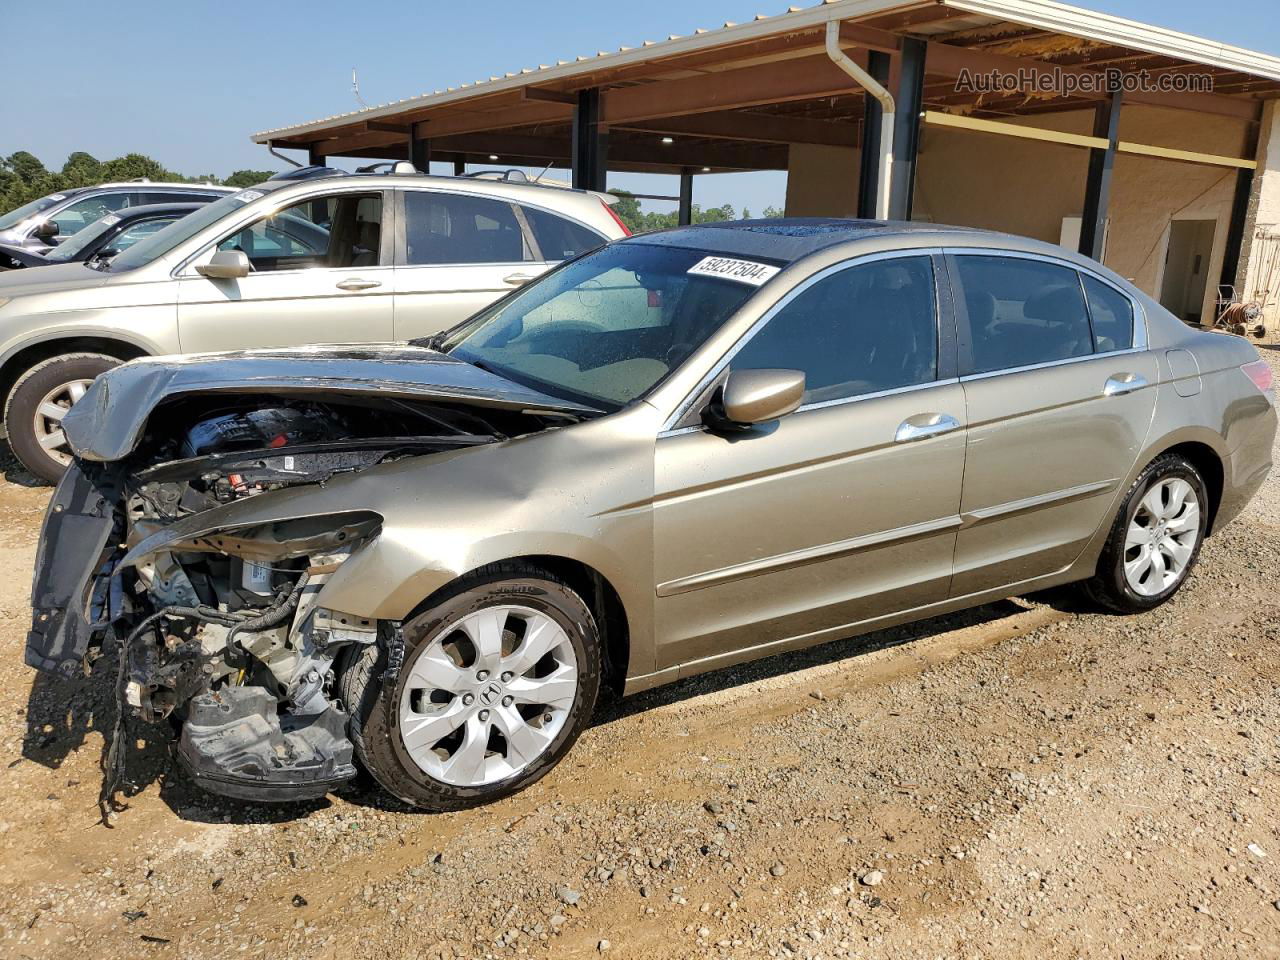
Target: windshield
14, 217
70, 248
158, 244
606, 328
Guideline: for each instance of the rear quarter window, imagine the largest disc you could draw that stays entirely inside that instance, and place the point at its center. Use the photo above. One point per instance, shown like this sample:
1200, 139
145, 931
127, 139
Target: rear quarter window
558, 237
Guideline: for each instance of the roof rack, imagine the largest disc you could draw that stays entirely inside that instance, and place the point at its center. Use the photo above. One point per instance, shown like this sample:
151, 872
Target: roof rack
510, 176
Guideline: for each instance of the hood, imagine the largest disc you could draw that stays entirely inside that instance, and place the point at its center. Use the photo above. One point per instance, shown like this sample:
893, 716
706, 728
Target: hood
109, 420
64, 276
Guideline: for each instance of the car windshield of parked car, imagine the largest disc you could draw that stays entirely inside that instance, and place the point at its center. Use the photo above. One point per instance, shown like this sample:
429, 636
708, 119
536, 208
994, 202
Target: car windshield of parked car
608, 327
159, 244
15, 217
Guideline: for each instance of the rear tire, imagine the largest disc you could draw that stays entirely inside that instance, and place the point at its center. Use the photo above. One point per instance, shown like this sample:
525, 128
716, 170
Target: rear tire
1155, 540
499, 678
30, 413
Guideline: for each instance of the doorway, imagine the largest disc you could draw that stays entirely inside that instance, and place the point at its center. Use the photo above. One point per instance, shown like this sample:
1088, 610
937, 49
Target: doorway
1186, 268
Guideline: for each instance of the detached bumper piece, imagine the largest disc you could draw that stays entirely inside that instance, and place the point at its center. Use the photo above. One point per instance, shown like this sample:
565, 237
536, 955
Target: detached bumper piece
235, 744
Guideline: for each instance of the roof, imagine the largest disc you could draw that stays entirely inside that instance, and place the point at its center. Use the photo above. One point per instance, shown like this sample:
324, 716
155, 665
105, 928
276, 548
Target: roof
787, 239
944, 20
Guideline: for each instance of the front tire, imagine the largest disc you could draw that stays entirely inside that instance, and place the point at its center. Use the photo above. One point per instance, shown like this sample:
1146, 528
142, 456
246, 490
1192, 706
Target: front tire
37, 404
499, 678
1156, 537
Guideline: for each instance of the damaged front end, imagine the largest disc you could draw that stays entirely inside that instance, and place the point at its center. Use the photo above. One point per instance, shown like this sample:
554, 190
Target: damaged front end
217, 609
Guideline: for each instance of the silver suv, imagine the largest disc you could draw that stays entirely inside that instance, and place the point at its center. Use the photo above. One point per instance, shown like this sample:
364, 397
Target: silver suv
42, 224
338, 258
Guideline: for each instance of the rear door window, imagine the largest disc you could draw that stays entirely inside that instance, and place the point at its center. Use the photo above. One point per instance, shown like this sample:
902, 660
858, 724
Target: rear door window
78, 215
558, 237
445, 228
1022, 312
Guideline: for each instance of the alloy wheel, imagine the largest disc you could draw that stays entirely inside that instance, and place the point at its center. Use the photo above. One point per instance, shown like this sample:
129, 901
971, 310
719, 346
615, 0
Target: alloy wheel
47, 421
488, 695
1161, 537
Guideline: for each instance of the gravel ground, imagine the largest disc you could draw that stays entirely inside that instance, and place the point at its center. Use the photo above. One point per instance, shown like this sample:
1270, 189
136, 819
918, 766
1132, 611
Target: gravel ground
1025, 779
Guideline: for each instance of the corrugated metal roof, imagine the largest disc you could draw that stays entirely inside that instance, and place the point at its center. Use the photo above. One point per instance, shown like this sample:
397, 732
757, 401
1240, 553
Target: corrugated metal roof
1042, 14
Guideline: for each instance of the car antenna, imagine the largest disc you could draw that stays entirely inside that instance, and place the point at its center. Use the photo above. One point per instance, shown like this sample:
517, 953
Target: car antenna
543, 172
355, 89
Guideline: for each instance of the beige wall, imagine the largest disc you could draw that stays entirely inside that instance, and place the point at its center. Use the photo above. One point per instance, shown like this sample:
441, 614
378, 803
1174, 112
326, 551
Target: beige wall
1027, 187
1261, 274
822, 181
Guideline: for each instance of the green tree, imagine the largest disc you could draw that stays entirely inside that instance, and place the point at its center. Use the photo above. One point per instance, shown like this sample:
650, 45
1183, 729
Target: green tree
773, 212
247, 178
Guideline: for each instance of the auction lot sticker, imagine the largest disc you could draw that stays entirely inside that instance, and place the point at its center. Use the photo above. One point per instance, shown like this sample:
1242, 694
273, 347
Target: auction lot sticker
744, 271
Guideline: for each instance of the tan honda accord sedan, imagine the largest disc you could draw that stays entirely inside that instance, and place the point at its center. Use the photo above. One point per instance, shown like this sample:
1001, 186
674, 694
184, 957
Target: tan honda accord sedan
678, 452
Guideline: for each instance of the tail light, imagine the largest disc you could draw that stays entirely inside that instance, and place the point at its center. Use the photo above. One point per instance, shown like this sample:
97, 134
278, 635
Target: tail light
1259, 371
626, 231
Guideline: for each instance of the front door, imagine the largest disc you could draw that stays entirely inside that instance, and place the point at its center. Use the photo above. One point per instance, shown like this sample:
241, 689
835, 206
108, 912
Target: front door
839, 513
321, 274
1059, 402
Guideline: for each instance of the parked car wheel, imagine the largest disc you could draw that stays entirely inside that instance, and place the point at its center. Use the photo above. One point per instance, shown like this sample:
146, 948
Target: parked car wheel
1155, 539
38, 402
499, 678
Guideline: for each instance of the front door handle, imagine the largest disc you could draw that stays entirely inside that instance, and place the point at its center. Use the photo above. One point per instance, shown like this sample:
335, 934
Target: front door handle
354, 283
924, 425
1122, 383
519, 279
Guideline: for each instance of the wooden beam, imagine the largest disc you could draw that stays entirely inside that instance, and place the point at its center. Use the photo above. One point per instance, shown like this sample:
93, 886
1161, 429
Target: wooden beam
1013, 130
549, 96
869, 38
1079, 140
950, 60
759, 127
1186, 156
807, 78
735, 156
386, 126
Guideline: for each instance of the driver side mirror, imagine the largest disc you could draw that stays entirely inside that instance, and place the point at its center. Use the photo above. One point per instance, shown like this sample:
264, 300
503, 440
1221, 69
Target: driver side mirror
751, 397
226, 265
46, 230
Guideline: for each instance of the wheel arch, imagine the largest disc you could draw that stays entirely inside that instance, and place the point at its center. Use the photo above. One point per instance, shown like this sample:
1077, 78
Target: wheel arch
28, 355
601, 597
1211, 467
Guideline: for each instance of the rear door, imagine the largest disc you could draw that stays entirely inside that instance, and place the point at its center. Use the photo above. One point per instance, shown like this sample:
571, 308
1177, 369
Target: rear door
1057, 388
322, 273
459, 252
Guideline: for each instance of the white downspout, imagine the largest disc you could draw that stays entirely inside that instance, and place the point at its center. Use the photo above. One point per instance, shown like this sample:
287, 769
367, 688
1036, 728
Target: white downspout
873, 87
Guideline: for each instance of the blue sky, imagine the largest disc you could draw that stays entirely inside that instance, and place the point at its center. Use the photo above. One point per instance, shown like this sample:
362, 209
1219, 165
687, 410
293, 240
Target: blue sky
188, 82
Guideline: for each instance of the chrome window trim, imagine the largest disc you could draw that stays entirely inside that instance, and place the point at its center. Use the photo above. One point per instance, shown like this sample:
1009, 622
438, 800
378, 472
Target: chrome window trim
969, 377
668, 427
1140, 337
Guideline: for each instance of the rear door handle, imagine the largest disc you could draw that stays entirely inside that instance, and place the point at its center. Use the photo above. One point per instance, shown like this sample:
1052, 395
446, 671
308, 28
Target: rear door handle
518, 279
924, 425
355, 283
1122, 383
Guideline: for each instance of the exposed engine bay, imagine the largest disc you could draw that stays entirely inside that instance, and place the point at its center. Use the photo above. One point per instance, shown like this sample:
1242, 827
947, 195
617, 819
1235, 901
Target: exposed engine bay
222, 634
